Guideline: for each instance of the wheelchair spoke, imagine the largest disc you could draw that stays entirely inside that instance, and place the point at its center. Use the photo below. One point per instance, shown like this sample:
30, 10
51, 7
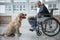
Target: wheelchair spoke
51, 27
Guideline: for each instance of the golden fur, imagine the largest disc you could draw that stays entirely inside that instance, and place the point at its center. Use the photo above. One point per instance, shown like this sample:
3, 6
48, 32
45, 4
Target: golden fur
13, 27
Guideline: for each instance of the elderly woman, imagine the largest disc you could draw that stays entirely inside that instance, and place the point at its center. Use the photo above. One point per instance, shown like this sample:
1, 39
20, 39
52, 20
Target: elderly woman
41, 12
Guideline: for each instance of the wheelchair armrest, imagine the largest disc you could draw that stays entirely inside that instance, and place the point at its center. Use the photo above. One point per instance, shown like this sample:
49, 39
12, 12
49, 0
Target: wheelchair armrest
42, 19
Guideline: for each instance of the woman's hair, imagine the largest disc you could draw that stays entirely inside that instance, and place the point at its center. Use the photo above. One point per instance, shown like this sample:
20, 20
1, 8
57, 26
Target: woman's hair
38, 3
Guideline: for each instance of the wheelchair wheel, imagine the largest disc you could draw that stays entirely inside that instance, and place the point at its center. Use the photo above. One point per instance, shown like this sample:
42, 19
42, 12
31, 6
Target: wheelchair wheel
38, 32
51, 27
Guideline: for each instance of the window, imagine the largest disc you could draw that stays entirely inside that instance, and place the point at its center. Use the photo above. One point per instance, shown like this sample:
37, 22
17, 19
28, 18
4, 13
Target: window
20, 7
32, 6
8, 7
16, 7
23, 7
2, 8
52, 5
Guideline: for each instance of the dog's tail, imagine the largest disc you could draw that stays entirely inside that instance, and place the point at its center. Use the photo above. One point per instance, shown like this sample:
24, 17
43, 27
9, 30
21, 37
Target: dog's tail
1, 34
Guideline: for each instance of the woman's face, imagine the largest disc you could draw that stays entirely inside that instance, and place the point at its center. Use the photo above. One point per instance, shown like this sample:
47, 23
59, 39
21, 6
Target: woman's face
37, 5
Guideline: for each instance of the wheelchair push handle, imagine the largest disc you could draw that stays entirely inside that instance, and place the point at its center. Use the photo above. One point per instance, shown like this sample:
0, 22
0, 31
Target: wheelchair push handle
53, 9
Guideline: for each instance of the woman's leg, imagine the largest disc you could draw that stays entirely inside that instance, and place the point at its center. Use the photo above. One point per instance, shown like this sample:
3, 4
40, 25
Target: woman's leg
33, 22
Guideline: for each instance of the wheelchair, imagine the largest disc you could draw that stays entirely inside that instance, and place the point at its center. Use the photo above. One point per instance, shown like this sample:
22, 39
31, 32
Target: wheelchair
50, 26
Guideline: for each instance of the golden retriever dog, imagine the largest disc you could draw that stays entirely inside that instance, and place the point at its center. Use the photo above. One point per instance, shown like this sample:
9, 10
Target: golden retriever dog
13, 27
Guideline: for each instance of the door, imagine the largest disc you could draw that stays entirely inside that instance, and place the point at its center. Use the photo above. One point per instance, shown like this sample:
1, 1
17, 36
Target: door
5, 19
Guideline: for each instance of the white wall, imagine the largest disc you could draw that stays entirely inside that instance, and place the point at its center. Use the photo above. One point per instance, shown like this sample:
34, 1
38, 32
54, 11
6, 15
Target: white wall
28, 12
59, 7
19, 0
5, 0
50, 0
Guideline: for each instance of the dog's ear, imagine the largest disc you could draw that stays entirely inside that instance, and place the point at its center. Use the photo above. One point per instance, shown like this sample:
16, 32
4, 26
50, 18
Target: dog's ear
20, 16
17, 17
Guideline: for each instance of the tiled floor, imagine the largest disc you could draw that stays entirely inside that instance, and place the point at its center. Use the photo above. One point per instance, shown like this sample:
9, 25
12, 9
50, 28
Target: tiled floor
28, 35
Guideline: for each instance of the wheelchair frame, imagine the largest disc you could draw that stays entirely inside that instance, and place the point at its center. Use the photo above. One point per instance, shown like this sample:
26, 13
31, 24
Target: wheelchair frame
41, 21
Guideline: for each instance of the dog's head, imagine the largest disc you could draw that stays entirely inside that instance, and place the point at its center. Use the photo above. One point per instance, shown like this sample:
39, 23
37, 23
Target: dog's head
22, 15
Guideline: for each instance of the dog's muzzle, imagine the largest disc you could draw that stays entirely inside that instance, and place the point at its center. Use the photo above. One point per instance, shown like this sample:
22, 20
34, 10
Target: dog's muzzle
24, 16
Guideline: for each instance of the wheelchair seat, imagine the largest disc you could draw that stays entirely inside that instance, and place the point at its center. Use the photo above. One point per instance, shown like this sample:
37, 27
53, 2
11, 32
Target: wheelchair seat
39, 20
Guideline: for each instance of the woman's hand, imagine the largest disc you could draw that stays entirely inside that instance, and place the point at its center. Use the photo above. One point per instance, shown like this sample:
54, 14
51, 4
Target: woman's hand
30, 16
38, 16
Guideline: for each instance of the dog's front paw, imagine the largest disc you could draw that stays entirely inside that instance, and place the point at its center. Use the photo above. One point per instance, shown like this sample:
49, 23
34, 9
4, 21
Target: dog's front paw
19, 34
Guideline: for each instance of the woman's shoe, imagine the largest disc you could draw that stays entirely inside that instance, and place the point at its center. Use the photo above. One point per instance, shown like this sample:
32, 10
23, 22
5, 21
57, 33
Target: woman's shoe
32, 29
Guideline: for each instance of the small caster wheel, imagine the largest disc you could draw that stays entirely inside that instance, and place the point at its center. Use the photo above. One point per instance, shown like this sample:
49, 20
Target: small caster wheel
39, 33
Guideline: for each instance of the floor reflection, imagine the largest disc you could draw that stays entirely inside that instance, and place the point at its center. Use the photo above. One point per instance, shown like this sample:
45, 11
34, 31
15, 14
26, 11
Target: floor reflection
28, 35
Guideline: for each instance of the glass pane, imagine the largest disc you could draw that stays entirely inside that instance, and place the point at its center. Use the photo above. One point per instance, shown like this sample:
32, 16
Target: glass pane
20, 7
17, 6
8, 7
14, 9
23, 9
23, 6
14, 6
54, 5
50, 5
32, 7
2, 8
